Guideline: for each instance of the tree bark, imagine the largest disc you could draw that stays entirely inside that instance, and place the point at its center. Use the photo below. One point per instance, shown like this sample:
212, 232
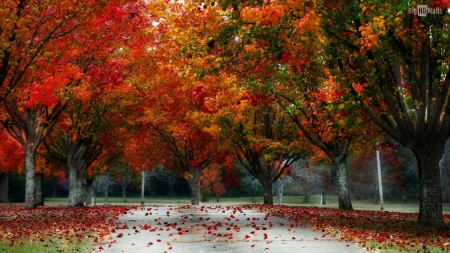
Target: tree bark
106, 195
88, 189
54, 188
280, 194
268, 194
193, 180
279, 187
345, 201
95, 196
39, 189
323, 199
76, 197
30, 170
124, 193
430, 191
172, 187
306, 198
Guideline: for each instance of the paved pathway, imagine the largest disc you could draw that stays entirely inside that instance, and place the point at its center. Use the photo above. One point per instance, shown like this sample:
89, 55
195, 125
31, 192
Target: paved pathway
185, 229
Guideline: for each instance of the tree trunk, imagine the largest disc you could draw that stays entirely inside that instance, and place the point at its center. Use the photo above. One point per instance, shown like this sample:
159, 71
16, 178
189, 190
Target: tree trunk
75, 185
323, 199
95, 196
54, 188
430, 191
124, 192
193, 180
39, 189
88, 190
172, 187
30, 170
345, 201
279, 188
376, 197
268, 195
106, 195
306, 198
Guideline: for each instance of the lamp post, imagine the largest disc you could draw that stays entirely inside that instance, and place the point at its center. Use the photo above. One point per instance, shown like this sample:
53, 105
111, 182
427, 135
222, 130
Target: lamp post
380, 185
142, 188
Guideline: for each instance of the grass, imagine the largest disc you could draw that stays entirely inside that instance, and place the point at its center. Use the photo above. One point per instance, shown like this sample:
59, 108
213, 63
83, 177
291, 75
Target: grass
48, 245
332, 202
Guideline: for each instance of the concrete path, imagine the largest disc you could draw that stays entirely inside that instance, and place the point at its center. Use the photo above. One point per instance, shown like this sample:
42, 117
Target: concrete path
184, 229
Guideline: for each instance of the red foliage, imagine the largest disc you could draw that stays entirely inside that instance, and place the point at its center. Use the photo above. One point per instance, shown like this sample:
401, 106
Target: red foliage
389, 229
17, 223
11, 153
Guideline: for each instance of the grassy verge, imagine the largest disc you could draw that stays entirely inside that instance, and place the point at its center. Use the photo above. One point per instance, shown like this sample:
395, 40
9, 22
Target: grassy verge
332, 202
55, 228
47, 244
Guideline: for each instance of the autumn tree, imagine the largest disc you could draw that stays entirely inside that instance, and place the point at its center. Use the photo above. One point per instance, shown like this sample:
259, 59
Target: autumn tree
309, 178
27, 32
267, 46
171, 129
264, 140
397, 64
211, 182
38, 62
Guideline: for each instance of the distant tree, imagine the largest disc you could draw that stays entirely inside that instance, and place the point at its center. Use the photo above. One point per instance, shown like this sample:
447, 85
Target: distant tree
309, 178
104, 183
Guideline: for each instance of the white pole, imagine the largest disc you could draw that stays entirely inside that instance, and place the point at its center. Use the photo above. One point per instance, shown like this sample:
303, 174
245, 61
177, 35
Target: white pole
380, 185
142, 190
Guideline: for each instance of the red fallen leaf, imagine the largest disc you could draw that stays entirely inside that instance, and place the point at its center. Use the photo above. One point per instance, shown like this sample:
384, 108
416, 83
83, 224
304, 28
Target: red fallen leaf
100, 247
158, 240
253, 245
120, 235
150, 244
293, 238
200, 218
266, 249
265, 236
213, 247
170, 248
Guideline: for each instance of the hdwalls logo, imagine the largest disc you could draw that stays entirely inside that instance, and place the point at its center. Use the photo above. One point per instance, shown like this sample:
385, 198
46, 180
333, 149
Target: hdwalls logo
424, 10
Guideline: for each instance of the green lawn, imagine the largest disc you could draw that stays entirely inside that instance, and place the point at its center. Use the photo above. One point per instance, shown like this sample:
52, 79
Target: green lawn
332, 201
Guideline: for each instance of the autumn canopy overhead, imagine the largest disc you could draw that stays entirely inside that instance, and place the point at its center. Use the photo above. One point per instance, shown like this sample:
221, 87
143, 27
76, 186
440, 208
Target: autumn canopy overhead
208, 86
